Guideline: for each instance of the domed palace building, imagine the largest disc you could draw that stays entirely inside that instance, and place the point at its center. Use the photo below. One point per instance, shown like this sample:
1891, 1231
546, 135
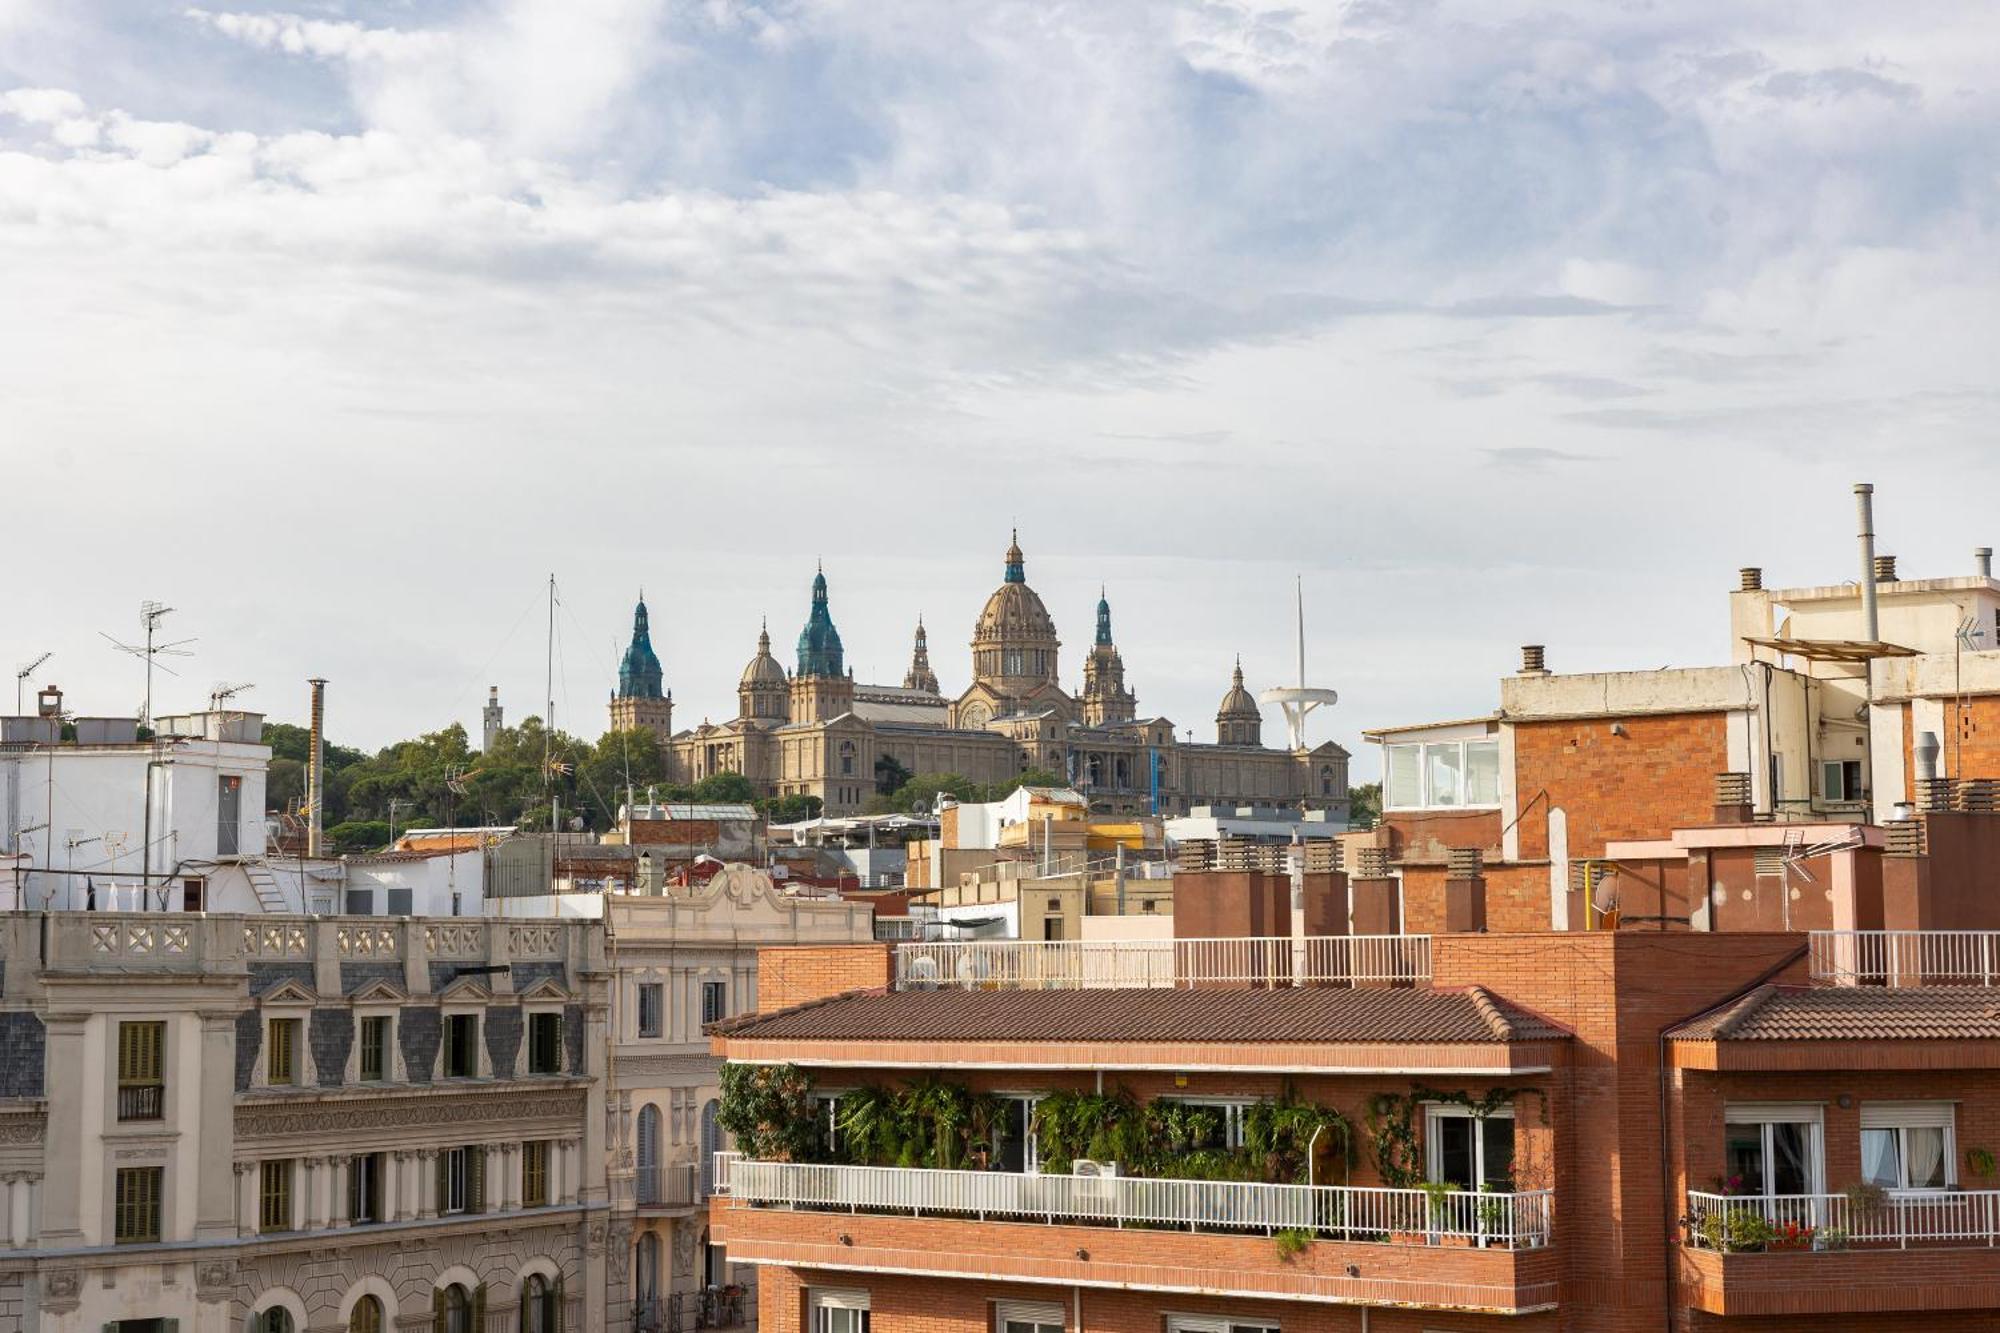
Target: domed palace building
814, 730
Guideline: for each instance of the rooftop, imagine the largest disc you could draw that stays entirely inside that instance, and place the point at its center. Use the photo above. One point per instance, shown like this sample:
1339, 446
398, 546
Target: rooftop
1852, 1013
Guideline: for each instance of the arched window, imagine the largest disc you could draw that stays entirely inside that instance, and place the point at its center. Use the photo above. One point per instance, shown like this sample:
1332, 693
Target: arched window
367, 1316
453, 1312
646, 1269
649, 1154
538, 1305
277, 1319
1326, 781
711, 1144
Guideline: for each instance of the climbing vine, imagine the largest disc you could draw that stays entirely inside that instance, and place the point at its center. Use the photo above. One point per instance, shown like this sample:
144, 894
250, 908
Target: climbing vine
768, 1110
1392, 1128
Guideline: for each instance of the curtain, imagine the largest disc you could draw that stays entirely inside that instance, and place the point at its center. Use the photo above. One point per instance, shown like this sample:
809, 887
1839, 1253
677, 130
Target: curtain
1925, 1147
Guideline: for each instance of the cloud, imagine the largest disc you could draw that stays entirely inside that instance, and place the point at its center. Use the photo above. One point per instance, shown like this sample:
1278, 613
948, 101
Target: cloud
328, 40
1530, 459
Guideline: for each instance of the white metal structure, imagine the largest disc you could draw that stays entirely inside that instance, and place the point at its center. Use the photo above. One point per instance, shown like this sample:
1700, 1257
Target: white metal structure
1519, 1220
1149, 964
1906, 957
1900, 1218
1299, 700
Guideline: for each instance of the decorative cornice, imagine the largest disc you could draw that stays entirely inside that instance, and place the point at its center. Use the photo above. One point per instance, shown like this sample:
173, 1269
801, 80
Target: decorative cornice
278, 1120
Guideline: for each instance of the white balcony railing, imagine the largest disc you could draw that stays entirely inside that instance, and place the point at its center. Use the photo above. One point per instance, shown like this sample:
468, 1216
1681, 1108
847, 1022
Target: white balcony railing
674, 1185
1836, 1221
1416, 1217
1315, 960
1906, 957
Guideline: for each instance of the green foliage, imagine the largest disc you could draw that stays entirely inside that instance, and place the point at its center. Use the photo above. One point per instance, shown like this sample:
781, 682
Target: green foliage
890, 775
1292, 1242
1288, 1134
1364, 805
1979, 1161
790, 809
1392, 1127
359, 835
1735, 1230
921, 792
769, 1111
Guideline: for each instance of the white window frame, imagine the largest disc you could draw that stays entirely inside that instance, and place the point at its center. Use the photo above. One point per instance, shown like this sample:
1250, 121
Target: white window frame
1426, 798
1433, 1141
1234, 1110
1210, 1323
825, 1301
1028, 1317
1767, 1114
1900, 1117
1031, 1145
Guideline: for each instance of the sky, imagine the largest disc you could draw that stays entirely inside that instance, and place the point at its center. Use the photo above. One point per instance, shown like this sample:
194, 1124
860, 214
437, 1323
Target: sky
340, 327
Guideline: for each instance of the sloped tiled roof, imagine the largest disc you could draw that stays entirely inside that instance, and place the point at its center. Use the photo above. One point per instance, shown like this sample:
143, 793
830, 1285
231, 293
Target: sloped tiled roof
1852, 1013
1162, 1015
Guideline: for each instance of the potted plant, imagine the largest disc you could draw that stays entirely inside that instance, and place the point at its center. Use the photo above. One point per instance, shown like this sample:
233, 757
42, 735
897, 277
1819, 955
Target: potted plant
1791, 1236
1438, 1194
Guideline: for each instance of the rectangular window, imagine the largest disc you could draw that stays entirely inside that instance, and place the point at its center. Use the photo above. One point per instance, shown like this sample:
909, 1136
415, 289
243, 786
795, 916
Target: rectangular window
1771, 1149
360, 902
274, 1196
1444, 771
141, 1071
461, 1046
281, 1065
535, 1174
1404, 788
137, 1213
228, 814
1442, 775
1908, 1145
1482, 772
545, 1043
364, 1188
651, 995
714, 1001
374, 1049
400, 901
461, 1180
1179, 1323
1840, 780
1471, 1152
1027, 1317
839, 1311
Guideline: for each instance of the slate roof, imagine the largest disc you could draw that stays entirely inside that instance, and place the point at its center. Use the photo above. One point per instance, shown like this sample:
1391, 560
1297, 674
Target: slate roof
1472, 1015
1852, 1013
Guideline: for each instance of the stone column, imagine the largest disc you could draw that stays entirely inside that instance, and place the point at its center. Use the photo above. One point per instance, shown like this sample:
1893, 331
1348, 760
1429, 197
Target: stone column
62, 1136
392, 1187
214, 1207
321, 1196
340, 1169
17, 1211
246, 1198
427, 1191
507, 1156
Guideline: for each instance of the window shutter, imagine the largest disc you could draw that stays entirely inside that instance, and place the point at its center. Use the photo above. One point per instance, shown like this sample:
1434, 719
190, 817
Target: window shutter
479, 1307
437, 1307
443, 1177
1906, 1115
558, 1324
170, 1326
475, 1180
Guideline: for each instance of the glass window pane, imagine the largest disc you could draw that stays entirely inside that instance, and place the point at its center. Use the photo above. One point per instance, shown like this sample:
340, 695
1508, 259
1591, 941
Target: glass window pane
1925, 1146
1406, 781
1497, 1139
1791, 1158
1482, 772
1879, 1158
1442, 771
1743, 1158
1454, 1153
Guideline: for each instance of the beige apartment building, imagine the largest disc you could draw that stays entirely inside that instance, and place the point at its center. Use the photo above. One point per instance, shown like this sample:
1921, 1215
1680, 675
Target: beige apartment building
214, 1123
683, 958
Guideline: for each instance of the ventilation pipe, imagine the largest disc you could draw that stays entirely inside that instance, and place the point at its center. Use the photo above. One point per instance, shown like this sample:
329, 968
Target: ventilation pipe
1982, 561
1532, 660
1925, 752
1885, 569
1864, 504
316, 767
1750, 578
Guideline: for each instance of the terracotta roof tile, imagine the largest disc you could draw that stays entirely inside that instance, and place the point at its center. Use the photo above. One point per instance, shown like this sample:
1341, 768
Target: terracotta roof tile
1205, 1015
1851, 1013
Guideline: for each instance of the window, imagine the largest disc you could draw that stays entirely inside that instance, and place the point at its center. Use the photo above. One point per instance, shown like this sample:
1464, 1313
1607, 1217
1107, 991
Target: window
538, 1305
1187, 1323
1908, 1145
1840, 780
1471, 1152
364, 1188
462, 1180
711, 1144
1027, 1317
1443, 774
461, 1046
360, 902
137, 1211
714, 1001
141, 1071
839, 1311
1014, 1142
1772, 1149
367, 1316
228, 814
545, 1043
826, 1110
651, 997
277, 1319
452, 1310
1229, 1122
281, 1063
274, 1196
535, 1174
374, 1049
399, 901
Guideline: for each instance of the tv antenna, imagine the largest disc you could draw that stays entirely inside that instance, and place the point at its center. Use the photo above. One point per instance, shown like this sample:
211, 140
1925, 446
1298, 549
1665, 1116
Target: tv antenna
222, 694
22, 675
150, 616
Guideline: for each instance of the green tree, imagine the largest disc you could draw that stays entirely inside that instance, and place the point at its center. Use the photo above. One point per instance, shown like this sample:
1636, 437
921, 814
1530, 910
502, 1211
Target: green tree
1033, 777
1364, 805
889, 775
791, 809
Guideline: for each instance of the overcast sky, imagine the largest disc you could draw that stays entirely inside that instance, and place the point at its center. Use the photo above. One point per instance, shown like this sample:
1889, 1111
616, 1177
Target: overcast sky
339, 327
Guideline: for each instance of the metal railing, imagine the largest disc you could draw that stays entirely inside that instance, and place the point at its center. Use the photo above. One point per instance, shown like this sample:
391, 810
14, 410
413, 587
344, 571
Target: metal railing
1906, 957
1518, 1220
1737, 1222
142, 1101
675, 1185
683, 1311
1315, 960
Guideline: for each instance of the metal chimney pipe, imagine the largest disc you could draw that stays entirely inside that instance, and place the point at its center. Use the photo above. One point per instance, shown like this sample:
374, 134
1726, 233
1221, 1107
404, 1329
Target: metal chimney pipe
1532, 659
1864, 504
1982, 561
1750, 578
1925, 753
316, 766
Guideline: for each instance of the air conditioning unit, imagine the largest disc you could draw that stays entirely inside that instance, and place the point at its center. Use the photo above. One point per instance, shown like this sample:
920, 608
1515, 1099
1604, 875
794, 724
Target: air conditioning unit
1083, 1166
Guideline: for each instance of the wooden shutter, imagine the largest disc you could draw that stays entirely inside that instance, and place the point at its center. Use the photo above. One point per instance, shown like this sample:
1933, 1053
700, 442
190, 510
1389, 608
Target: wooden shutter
475, 1180
443, 1178
557, 1325
479, 1308
437, 1308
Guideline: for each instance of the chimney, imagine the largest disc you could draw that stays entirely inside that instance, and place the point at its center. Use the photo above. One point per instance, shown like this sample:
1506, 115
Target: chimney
316, 767
1982, 561
1750, 578
48, 701
1531, 660
1885, 569
1925, 752
1864, 505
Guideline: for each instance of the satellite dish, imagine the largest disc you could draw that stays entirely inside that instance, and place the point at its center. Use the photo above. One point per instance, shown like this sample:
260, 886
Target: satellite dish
1604, 893
924, 971
972, 966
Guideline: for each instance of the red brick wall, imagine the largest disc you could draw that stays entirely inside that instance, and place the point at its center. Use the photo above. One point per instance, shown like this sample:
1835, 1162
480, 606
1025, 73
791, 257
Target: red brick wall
1517, 898
1426, 835
1660, 775
789, 976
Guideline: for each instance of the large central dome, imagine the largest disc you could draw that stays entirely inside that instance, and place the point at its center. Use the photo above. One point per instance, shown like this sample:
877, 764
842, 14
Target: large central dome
1015, 639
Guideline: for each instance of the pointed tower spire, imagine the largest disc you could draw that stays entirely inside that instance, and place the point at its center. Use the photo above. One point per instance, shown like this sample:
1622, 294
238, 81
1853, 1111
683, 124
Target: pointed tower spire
820, 652
639, 673
920, 676
1103, 618
1016, 566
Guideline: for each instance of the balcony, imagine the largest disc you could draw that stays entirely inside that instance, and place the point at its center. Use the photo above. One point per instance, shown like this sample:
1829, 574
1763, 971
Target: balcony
1484, 1252
141, 1101
661, 1189
1808, 1254
1314, 960
1906, 957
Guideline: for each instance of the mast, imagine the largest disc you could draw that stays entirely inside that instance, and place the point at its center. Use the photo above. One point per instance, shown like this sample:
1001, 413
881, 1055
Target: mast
549, 713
